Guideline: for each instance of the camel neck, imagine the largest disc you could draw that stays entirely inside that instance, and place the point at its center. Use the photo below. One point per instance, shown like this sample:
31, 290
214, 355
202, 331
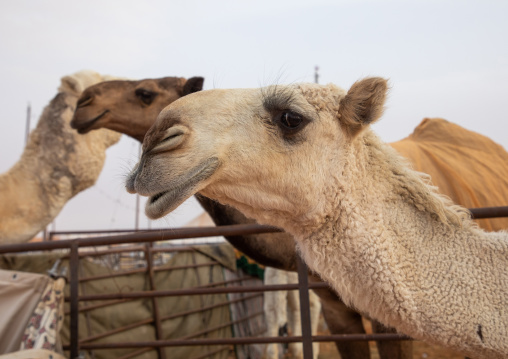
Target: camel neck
40, 183
395, 249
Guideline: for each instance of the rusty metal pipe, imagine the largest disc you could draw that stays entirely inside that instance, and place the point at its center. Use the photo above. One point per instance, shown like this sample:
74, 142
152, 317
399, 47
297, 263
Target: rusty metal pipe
489, 212
144, 270
197, 291
193, 232
303, 289
74, 291
167, 317
217, 327
144, 236
114, 250
109, 303
246, 340
155, 305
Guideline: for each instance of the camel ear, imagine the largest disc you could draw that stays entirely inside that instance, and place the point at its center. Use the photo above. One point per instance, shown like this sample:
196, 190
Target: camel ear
79, 81
194, 84
70, 84
363, 104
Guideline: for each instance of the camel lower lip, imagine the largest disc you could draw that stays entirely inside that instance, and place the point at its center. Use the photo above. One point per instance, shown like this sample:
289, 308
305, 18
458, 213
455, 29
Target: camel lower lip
166, 201
155, 198
86, 127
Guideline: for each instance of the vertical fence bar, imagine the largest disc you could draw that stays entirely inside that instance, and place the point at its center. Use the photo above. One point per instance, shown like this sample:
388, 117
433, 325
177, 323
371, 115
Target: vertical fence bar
87, 313
74, 294
155, 305
303, 288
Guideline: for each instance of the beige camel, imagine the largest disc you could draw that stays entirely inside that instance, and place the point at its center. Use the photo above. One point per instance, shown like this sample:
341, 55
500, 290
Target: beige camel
55, 165
129, 114
446, 151
304, 158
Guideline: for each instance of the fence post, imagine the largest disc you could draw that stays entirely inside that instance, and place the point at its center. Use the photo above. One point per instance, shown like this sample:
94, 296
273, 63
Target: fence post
303, 288
74, 293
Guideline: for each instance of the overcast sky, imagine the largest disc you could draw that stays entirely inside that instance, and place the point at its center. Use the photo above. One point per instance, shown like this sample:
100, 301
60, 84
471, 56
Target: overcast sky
444, 59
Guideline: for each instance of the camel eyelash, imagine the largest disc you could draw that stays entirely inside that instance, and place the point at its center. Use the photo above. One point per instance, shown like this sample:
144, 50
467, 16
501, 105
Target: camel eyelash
277, 100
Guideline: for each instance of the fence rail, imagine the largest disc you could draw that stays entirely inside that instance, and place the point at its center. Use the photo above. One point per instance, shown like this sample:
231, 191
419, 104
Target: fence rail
150, 236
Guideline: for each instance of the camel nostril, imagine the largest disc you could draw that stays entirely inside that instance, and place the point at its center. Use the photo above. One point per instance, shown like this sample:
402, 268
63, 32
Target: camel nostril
131, 179
129, 184
85, 101
174, 136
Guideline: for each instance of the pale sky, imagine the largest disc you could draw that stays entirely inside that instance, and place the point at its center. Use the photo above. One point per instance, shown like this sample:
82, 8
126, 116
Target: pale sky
444, 59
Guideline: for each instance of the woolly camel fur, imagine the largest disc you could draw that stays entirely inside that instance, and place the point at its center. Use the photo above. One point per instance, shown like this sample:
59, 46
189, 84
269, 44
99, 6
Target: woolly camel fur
304, 158
131, 107
56, 164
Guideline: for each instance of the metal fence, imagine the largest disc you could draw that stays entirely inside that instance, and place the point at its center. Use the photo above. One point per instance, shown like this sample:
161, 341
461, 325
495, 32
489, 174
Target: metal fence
143, 242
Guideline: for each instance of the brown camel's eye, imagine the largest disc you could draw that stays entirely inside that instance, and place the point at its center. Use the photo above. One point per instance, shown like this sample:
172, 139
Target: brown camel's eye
145, 96
290, 120
85, 101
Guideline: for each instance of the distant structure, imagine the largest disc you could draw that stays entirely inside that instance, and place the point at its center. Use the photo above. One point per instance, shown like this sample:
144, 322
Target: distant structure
28, 117
316, 74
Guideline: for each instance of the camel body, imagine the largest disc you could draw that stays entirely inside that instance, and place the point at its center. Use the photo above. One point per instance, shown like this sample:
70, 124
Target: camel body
56, 164
466, 166
303, 158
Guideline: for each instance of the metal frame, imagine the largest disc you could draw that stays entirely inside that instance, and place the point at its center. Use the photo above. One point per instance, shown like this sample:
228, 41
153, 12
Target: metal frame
148, 237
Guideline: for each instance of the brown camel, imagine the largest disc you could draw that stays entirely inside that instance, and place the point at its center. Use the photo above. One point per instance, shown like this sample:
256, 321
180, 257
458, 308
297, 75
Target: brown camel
304, 158
429, 138
129, 107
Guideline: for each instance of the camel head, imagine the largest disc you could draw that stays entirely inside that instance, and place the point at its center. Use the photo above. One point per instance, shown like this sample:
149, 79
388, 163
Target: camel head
129, 107
72, 86
270, 152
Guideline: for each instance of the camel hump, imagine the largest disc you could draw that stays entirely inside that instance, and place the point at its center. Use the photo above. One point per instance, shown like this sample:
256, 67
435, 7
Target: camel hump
446, 132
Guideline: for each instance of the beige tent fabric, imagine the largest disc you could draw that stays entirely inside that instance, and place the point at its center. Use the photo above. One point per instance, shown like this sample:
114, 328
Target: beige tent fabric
43, 328
19, 292
33, 354
468, 167
211, 265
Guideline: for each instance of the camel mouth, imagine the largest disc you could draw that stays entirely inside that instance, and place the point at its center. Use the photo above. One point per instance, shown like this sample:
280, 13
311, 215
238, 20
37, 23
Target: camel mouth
155, 198
164, 202
86, 126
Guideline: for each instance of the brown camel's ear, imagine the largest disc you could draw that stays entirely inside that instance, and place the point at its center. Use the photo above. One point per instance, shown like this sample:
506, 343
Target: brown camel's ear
194, 84
363, 104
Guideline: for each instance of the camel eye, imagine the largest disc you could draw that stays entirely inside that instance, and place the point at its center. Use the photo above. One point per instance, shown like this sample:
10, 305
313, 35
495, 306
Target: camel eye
145, 96
85, 101
290, 120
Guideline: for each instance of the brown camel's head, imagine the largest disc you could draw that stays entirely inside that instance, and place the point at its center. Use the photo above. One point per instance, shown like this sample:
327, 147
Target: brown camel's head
271, 152
129, 107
